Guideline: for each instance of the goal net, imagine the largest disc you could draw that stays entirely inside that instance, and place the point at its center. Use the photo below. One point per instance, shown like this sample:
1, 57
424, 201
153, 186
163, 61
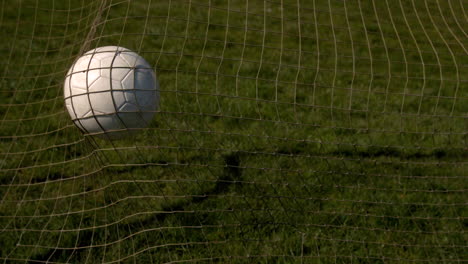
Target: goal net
288, 131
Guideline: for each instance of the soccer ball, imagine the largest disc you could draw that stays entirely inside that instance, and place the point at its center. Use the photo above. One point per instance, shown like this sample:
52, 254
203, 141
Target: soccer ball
110, 90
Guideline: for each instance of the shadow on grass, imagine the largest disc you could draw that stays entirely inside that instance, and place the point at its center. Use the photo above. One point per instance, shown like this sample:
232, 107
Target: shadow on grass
231, 173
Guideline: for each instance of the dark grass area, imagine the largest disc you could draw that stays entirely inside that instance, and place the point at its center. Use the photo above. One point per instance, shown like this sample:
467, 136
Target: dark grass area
333, 136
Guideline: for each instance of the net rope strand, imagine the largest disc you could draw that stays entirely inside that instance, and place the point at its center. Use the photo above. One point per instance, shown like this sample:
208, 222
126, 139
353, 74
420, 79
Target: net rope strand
288, 131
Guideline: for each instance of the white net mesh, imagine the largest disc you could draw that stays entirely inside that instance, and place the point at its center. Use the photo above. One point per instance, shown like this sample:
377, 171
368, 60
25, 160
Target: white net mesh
287, 132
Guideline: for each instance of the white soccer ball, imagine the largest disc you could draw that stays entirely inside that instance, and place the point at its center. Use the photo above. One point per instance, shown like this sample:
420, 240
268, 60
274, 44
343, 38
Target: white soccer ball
109, 90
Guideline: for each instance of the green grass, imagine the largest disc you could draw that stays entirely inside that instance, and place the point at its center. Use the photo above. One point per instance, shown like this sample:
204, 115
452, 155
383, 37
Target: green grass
289, 142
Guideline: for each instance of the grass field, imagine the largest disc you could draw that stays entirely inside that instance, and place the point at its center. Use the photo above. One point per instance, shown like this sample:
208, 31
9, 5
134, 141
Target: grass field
288, 132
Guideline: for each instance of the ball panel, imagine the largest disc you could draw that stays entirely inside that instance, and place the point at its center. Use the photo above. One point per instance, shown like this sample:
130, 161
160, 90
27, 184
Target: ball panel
128, 107
69, 107
142, 63
107, 49
119, 74
89, 113
112, 59
116, 85
130, 57
119, 98
146, 100
101, 84
100, 56
80, 106
144, 79
85, 63
80, 81
102, 102
130, 97
66, 87
105, 84
128, 80
112, 64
